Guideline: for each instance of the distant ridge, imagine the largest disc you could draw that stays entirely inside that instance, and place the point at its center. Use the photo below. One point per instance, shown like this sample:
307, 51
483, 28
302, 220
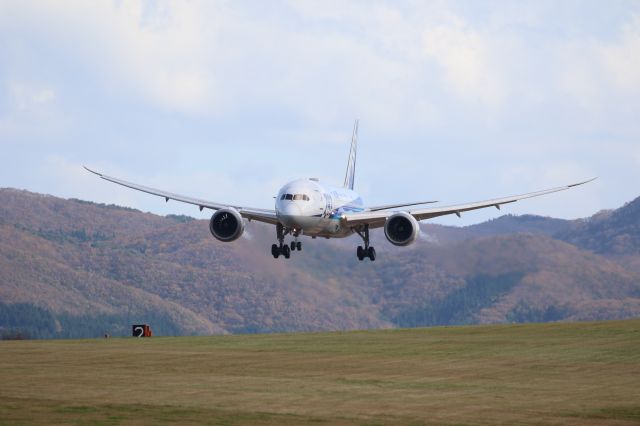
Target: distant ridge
614, 232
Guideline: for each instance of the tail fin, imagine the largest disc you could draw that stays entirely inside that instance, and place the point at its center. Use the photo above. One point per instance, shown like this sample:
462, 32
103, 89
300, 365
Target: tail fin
351, 164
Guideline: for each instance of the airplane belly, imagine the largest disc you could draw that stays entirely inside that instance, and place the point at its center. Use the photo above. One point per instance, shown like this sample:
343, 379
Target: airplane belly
326, 227
308, 222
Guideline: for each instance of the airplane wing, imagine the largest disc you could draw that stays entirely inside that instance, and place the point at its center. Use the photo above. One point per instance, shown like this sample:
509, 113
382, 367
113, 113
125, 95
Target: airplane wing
260, 215
376, 219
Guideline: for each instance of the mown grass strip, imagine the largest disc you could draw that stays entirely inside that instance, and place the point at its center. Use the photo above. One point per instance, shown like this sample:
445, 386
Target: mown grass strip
582, 373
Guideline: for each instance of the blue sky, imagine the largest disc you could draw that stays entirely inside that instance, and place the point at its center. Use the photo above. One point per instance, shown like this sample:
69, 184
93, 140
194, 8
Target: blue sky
458, 101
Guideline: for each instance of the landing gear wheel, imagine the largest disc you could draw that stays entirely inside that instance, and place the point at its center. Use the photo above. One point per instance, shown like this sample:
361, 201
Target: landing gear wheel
365, 251
293, 245
371, 253
281, 248
299, 245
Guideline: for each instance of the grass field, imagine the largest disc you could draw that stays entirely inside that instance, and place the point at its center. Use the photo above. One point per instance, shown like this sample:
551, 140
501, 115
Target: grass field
582, 373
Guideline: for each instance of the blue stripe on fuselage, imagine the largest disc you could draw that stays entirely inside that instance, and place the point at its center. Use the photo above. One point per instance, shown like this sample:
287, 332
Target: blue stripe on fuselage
337, 214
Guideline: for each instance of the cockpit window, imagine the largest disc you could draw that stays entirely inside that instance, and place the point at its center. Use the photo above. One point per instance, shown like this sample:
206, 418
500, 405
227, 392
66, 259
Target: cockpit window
303, 197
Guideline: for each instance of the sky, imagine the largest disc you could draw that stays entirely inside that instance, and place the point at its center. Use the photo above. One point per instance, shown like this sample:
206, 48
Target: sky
458, 101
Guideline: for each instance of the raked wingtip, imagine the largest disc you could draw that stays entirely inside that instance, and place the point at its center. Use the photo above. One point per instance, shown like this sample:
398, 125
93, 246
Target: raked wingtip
583, 182
92, 171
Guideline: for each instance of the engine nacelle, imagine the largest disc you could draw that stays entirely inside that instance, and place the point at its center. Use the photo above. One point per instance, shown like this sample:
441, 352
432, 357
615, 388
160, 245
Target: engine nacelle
226, 225
401, 229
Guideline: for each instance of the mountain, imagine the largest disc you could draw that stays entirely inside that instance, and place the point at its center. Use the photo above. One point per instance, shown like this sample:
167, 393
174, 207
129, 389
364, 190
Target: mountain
614, 233
506, 224
70, 268
509, 224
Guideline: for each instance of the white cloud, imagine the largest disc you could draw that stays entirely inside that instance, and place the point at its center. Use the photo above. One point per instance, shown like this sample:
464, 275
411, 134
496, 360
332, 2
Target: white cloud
470, 67
218, 58
577, 78
622, 59
26, 98
594, 71
329, 60
158, 52
31, 109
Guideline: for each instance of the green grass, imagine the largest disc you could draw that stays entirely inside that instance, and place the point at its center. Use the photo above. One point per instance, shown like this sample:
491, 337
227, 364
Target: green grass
582, 373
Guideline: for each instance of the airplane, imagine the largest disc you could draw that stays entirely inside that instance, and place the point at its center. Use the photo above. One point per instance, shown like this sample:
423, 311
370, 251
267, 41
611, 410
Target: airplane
311, 208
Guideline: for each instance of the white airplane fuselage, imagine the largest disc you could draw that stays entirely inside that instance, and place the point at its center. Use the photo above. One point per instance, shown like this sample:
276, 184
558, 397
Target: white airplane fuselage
314, 209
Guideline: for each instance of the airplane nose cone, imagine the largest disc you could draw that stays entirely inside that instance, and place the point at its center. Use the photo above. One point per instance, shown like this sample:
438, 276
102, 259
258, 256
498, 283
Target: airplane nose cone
291, 209
288, 213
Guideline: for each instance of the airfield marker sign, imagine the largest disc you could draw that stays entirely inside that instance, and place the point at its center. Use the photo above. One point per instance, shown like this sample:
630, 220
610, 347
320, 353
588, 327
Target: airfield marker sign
141, 330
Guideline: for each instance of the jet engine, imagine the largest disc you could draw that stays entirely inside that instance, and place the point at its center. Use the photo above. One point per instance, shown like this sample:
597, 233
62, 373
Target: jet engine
401, 229
226, 225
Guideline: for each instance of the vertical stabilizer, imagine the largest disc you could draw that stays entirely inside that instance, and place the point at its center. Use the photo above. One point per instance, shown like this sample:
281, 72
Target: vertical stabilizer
351, 164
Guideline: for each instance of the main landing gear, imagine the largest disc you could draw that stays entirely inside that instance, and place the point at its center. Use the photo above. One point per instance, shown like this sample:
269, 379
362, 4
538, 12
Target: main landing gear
284, 249
366, 251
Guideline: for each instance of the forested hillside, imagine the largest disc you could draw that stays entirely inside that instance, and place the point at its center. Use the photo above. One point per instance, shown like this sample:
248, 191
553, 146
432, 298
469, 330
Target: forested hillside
614, 232
70, 268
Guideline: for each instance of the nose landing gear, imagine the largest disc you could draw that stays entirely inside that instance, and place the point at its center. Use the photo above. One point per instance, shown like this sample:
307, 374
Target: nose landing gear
284, 249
